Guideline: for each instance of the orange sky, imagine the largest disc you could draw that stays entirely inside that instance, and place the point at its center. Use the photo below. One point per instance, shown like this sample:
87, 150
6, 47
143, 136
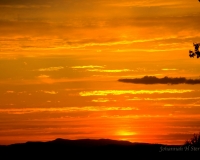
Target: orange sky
31, 28
60, 62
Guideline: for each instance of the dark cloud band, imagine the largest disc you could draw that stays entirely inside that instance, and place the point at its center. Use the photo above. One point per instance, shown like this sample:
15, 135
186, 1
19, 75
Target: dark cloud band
164, 80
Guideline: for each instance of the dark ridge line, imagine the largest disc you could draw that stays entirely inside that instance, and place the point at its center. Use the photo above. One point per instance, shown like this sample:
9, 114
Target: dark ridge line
84, 141
85, 148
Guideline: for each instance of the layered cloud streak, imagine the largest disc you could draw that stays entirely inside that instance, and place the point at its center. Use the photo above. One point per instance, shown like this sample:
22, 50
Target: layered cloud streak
165, 80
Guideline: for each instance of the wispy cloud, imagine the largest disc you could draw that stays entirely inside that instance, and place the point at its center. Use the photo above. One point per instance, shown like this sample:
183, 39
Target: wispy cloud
103, 100
169, 69
50, 69
66, 109
154, 42
109, 70
43, 76
168, 105
121, 92
144, 3
165, 80
116, 42
49, 92
10, 91
163, 99
86, 67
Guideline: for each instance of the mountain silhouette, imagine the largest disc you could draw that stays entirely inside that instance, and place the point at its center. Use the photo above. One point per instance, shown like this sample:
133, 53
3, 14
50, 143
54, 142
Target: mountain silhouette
82, 148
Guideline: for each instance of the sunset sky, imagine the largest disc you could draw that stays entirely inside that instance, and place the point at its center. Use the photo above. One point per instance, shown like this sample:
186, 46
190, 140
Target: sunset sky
60, 62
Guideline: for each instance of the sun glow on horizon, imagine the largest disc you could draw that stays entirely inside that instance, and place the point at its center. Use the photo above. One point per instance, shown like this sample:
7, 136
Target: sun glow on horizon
125, 133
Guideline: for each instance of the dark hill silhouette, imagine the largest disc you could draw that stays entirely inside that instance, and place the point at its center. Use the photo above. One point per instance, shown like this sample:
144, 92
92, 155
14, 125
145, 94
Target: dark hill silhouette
84, 148
79, 144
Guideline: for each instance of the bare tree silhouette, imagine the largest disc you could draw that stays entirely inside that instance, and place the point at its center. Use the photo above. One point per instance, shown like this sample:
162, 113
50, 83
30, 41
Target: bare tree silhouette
194, 141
